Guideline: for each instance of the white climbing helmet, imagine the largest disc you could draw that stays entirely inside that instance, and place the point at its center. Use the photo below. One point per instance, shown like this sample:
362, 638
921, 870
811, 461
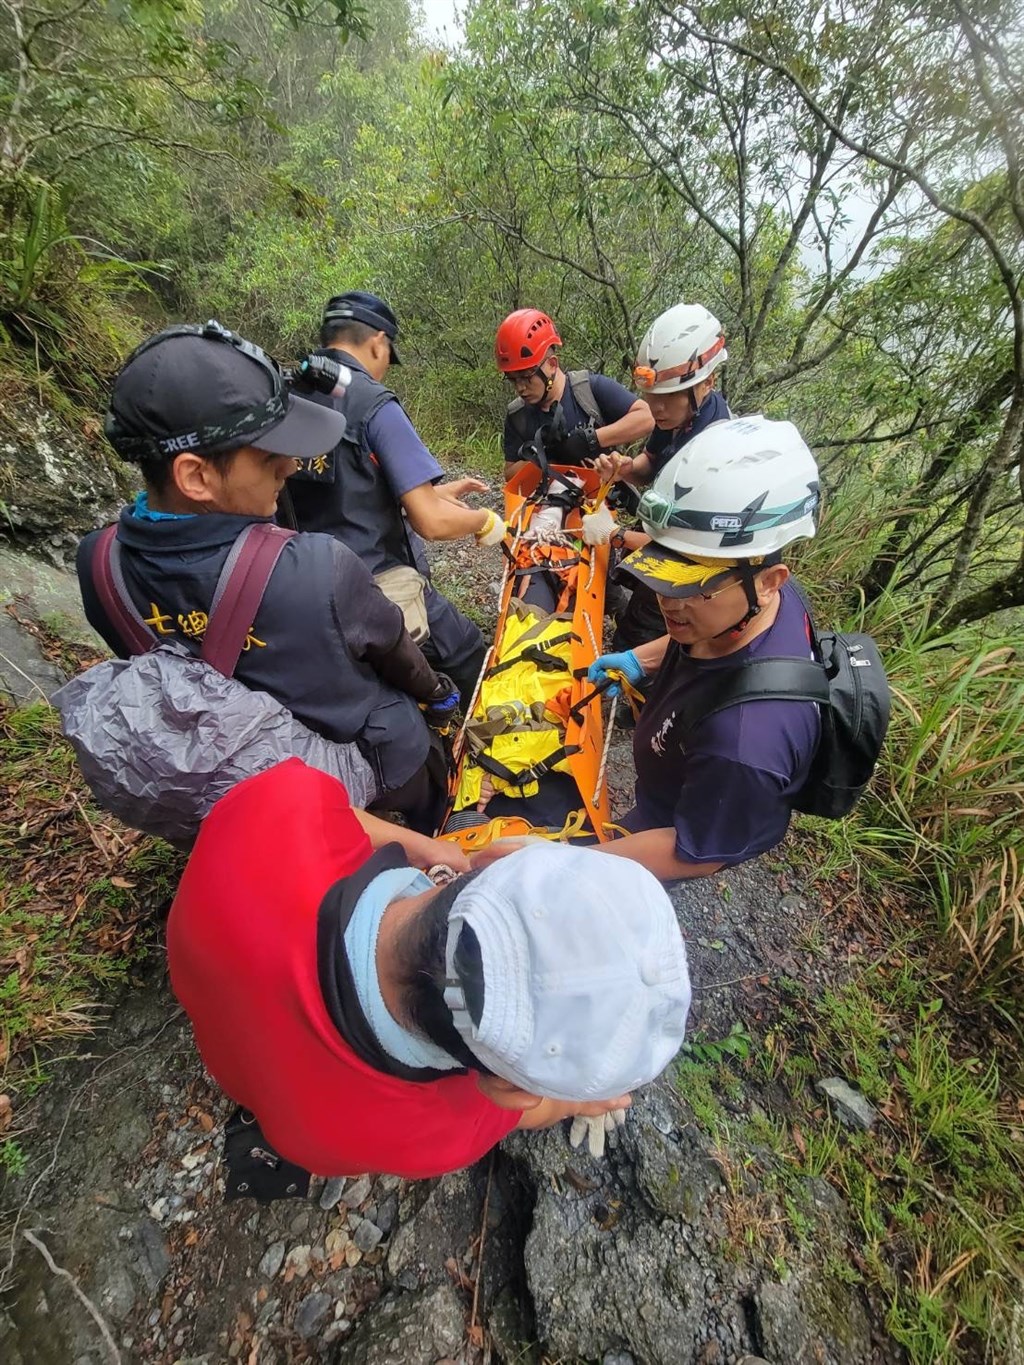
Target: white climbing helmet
681, 348
741, 489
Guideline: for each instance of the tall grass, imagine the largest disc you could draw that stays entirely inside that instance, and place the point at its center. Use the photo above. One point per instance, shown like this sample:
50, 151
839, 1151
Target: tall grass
945, 816
459, 413
66, 314
935, 1192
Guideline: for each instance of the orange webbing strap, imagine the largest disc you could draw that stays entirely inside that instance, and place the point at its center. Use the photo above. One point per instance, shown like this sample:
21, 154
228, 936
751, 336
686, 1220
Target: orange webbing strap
477, 837
572, 579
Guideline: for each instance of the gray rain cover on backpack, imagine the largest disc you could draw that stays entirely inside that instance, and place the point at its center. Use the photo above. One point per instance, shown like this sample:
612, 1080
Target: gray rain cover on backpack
162, 736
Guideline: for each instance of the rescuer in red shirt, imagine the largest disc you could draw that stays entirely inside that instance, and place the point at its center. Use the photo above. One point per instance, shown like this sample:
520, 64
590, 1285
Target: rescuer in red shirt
374, 1022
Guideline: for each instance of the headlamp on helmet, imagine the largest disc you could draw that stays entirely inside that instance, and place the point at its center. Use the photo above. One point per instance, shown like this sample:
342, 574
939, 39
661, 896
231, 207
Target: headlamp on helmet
683, 347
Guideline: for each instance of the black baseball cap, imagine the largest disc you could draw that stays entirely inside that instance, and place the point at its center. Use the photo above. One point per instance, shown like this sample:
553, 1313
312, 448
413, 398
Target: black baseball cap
204, 389
370, 309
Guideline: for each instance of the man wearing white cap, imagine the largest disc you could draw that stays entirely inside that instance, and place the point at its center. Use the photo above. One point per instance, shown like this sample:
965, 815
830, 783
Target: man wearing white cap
373, 1022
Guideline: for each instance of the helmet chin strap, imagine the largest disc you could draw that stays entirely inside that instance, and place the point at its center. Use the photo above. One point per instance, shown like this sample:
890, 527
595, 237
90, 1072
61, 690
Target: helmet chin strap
549, 380
748, 575
695, 407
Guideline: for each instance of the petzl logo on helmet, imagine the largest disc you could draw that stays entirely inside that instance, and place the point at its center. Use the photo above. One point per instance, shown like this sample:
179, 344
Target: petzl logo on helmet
726, 523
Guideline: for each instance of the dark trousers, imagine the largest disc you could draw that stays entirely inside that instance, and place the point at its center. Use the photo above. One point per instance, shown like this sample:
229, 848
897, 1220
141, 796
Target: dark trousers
422, 798
456, 646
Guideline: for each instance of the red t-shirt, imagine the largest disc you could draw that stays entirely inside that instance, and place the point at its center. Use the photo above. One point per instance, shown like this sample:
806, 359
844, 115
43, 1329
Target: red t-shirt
242, 947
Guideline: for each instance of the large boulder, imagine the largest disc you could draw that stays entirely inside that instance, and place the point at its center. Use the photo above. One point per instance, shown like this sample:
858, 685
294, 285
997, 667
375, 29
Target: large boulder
56, 482
31, 592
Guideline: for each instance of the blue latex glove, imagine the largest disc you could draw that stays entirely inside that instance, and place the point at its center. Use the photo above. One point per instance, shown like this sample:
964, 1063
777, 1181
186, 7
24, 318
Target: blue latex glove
626, 663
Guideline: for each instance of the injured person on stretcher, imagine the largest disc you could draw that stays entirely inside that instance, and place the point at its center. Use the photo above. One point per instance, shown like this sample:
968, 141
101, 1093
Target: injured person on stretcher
718, 769
531, 754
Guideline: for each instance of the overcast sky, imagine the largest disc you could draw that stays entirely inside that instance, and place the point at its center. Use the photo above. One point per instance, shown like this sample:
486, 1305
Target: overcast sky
439, 18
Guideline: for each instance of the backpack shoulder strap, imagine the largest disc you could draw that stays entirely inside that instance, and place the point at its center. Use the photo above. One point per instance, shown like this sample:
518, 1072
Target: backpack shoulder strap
243, 581
805, 603
778, 679
579, 382
516, 414
108, 580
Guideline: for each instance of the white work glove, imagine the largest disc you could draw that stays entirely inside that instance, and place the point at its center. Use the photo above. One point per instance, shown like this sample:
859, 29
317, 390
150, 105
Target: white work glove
613, 466
598, 526
594, 1130
494, 530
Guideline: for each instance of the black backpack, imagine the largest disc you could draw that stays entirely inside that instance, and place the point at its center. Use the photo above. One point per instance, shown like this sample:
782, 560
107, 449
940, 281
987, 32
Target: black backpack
847, 679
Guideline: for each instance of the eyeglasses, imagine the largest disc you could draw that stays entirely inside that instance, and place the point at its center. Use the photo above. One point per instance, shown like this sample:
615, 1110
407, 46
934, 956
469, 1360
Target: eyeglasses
522, 377
710, 596
704, 596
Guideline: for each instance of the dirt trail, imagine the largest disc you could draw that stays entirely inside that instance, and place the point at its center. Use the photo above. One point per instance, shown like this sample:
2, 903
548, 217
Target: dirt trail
117, 1242
124, 1188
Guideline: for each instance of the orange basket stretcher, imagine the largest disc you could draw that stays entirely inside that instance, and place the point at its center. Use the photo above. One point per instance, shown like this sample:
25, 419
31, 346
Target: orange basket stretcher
576, 575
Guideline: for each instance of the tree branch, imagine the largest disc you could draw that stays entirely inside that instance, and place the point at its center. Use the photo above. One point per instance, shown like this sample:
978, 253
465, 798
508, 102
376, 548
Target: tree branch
1006, 271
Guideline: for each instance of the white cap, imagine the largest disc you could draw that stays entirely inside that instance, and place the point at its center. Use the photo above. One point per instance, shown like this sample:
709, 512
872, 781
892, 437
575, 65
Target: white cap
584, 977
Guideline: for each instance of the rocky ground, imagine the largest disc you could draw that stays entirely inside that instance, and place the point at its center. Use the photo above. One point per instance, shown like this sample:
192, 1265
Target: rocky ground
641, 1256
118, 1243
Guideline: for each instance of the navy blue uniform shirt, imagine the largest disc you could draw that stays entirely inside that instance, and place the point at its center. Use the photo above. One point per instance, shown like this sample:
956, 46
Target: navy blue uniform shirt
612, 400
724, 787
662, 445
320, 615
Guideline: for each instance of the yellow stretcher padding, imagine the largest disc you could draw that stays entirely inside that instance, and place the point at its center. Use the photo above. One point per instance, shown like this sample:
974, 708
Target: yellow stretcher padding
520, 701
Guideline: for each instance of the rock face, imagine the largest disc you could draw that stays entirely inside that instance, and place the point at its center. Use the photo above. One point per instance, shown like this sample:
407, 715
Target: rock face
26, 675
55, 483
634, 1259
36, 591
408, 1329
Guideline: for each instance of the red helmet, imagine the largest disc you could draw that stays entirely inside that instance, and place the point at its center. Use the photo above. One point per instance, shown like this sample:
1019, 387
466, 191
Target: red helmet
524, 339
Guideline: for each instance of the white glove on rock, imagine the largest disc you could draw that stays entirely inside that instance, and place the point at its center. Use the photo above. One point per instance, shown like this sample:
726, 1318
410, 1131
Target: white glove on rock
595, 1129
598, 526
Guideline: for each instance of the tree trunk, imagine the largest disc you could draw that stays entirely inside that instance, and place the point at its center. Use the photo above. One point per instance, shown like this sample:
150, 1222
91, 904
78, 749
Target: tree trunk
1007, 592
886, 563
1006, 453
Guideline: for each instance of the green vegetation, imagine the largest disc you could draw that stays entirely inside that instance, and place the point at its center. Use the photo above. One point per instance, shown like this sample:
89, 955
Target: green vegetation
934, 1193
78, 896
944, 820
12, 1157
736, 1043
